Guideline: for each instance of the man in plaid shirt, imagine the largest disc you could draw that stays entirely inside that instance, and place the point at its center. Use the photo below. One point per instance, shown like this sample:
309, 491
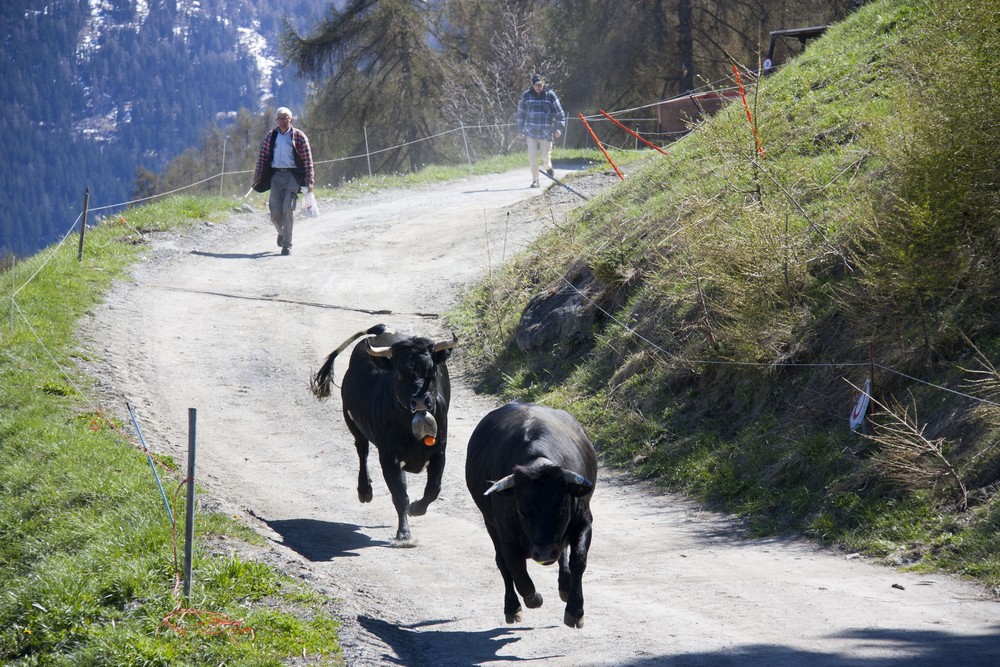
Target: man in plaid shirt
284, 166
540, 117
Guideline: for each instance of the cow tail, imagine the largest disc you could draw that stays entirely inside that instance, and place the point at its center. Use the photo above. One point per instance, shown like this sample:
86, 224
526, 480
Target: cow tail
319, 384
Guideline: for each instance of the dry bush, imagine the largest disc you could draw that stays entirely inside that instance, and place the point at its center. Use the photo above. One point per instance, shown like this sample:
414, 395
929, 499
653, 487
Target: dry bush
907, 458
985, 382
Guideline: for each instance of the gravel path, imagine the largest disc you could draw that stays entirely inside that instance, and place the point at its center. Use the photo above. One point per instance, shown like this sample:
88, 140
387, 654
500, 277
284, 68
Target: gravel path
215, 319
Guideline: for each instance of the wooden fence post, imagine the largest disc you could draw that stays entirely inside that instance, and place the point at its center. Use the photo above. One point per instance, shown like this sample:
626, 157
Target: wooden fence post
83, 223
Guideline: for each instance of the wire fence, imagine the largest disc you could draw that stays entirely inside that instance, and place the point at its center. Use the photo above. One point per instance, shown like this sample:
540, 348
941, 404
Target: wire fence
630, 115
612, 118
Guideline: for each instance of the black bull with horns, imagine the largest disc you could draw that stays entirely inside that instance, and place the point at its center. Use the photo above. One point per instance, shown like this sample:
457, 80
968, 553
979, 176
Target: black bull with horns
531, 471
395, 395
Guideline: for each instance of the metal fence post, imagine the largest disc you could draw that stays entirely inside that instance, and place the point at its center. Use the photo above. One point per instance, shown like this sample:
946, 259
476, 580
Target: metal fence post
368, 154
13, 288
466, 140
189, 518
222, 174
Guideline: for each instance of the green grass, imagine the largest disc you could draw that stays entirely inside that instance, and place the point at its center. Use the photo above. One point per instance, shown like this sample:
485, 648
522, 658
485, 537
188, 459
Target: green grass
740, 289
87, 569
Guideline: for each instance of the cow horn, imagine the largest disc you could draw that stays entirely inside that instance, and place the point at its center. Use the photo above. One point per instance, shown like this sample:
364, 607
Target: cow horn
384, 352
504, 483
446, 344
576, 478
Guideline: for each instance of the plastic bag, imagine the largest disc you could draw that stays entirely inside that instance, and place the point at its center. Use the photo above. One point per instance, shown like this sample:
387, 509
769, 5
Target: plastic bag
309, 205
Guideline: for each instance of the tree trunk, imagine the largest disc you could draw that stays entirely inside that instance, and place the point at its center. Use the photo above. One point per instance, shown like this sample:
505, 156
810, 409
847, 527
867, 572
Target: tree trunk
685, 46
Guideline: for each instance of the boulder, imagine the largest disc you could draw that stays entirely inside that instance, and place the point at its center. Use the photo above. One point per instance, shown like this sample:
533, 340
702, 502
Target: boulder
563, 311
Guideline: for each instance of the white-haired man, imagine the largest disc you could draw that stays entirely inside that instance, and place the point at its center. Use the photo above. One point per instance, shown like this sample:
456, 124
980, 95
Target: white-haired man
285, 167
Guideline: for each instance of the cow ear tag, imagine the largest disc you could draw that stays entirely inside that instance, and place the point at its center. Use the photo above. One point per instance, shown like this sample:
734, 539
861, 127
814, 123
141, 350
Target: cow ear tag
429, 440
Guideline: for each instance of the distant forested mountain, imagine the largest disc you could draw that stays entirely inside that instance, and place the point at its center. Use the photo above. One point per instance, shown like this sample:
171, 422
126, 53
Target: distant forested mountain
94, 90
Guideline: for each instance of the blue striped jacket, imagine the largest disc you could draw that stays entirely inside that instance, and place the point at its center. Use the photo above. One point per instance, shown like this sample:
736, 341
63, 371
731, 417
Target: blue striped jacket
539, 116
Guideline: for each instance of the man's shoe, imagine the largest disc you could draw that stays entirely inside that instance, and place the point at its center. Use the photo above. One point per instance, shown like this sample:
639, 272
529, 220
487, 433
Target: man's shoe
286, 251
281, 240
534, 184
551, 172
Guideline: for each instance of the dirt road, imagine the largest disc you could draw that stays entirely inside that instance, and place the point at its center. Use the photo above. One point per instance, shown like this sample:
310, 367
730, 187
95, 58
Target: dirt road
216, 320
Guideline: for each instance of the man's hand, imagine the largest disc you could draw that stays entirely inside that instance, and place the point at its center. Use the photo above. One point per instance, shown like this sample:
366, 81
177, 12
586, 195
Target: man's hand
558, 133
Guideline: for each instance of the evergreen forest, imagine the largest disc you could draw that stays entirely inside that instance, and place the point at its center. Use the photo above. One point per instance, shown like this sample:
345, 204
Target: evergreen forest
132, 99
400, 84
94, 93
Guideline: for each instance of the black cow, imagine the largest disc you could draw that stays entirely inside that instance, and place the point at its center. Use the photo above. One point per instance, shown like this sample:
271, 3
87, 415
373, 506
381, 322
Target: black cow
540, 507
395, 395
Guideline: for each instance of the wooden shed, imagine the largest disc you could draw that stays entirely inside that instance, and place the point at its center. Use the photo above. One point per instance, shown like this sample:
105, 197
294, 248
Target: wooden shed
674, 117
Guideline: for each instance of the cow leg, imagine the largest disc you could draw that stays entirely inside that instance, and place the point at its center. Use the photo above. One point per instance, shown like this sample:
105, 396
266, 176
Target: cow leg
395, 479
512, 611
518, 566
577, 561
564, 575
435, 470
361, 444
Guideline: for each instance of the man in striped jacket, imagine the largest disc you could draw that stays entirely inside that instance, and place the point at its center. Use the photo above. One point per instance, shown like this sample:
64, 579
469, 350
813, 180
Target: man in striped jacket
540, 118
284, 166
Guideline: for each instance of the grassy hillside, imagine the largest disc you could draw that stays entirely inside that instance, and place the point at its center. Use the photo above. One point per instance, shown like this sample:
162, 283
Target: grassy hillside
743, 289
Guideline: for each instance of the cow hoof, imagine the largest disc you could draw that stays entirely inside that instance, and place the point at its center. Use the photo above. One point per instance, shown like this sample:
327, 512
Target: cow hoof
564, 596
515, 617
417, 508
534, 602
402, 542
573, 620
365, 495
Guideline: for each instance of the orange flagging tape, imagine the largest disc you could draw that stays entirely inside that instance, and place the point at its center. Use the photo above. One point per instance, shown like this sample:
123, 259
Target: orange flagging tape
634, 134
599, 145
208, 623
753, 126
97, 422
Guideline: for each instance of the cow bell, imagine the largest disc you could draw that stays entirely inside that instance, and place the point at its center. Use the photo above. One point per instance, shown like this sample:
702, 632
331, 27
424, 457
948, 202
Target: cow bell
424, 427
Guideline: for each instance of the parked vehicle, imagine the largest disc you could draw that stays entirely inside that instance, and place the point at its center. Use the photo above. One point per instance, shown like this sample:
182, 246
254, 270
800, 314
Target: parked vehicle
782, 44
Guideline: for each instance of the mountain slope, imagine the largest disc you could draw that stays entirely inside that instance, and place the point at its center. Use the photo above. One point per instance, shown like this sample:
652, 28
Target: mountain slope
93, 90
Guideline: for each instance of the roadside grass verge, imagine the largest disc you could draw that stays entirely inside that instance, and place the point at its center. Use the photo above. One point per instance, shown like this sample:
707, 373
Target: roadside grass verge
87, 558
740, 292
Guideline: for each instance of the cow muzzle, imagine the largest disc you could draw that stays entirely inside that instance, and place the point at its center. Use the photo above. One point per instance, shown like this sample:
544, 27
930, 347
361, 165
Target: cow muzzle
424, 427
545, 554
422, 403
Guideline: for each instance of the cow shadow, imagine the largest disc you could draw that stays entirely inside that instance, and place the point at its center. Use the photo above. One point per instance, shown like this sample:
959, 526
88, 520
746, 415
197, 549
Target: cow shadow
236, 255
417, 645
913, 648
320, 541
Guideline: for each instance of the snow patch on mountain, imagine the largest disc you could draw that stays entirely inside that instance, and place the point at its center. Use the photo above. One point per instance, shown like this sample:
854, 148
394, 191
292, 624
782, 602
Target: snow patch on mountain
257, 46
